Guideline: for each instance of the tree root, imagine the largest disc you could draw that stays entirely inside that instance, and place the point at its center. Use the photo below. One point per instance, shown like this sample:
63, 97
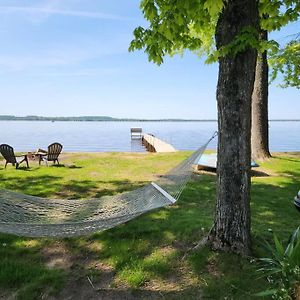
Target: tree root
202, 243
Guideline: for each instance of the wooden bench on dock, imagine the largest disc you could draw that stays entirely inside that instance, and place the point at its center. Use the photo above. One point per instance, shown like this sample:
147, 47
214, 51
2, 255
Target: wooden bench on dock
136, 132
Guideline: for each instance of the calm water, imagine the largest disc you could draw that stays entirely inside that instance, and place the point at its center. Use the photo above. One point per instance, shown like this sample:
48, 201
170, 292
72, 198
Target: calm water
115, 136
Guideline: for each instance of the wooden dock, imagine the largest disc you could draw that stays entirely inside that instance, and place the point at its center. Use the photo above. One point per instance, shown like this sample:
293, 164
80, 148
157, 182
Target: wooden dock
153, 144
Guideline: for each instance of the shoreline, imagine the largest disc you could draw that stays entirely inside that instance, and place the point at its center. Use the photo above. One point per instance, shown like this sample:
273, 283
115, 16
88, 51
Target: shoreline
210, 150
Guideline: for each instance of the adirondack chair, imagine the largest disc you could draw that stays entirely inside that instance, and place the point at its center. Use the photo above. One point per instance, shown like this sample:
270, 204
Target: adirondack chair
52, 154
10, 158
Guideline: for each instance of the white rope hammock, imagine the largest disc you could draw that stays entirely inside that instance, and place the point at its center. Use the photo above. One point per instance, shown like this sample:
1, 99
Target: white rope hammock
39, 217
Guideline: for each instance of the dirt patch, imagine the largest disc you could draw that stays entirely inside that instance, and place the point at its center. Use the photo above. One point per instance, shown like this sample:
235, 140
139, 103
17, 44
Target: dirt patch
90, 278
57, 256
260, 172
181, 246
7, 295
213, 270
86, 292
87, 277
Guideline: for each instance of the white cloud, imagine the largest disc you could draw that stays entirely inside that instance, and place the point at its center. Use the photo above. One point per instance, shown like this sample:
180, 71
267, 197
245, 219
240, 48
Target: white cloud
85, 72
30, 52
66, 56
47, 10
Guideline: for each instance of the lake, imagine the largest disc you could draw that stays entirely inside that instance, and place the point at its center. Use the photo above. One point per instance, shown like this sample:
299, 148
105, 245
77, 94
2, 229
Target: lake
115, 136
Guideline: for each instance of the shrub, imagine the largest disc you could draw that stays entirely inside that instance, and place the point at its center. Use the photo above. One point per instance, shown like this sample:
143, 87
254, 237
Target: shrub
282, 268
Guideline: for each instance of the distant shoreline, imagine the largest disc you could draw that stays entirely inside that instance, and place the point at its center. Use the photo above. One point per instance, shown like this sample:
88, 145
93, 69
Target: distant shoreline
110, 119
95, 119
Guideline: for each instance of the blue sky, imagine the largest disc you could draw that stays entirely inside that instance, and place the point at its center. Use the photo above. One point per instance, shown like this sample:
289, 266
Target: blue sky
70, 58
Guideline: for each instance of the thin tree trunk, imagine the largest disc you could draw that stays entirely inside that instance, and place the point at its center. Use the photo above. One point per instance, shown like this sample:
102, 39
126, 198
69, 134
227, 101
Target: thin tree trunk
231, 230
260, 122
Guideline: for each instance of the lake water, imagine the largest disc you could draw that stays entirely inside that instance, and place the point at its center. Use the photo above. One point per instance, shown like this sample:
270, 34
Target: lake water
115, 136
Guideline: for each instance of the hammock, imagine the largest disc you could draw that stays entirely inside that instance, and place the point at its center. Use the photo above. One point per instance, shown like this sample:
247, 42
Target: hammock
32, 216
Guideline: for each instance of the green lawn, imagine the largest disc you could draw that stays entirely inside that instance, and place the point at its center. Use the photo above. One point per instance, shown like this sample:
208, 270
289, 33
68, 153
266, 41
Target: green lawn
147, 257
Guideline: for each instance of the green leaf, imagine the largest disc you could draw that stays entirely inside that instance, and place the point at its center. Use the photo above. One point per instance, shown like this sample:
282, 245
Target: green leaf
266, 293
279, 247
214, 7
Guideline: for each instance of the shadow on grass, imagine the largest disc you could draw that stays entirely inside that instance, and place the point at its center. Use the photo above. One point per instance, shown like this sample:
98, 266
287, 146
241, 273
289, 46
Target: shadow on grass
49, 185
41, 186
131, 294
272, 206
76, 189
256, 173
213, 172
57, 166
132, 246
294, 160
22, 272
127, 247
73, 166
22, 168
150, 247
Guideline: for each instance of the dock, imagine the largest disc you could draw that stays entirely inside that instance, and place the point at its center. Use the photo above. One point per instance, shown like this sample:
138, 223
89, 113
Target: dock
151, 143
209, 161
154, 144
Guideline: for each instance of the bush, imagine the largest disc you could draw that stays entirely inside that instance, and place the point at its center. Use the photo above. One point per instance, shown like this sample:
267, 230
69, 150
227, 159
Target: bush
282, 268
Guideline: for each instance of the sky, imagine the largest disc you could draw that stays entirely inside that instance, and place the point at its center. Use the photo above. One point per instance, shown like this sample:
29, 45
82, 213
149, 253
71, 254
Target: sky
70, 58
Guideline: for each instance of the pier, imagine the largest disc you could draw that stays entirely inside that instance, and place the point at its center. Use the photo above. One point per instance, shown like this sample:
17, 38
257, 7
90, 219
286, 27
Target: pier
154, 144
151, 143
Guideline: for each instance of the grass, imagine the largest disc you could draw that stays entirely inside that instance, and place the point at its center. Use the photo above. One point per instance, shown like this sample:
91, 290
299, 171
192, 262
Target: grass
145, 257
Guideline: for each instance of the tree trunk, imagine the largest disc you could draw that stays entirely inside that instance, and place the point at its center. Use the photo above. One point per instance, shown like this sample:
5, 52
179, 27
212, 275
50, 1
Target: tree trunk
231, 230
260, 122
296, 294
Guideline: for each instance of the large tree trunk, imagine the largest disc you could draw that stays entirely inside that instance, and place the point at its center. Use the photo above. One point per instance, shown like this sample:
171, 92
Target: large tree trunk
231, 230
260, 122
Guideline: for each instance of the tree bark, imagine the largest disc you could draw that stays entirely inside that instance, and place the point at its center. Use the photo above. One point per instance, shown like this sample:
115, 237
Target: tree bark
260, 122
231, 229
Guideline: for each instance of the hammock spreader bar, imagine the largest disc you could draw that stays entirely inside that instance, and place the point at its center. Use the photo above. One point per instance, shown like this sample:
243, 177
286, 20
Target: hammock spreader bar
168, 196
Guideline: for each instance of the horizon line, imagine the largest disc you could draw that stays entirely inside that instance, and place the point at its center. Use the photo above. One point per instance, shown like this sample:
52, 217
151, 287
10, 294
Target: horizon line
109, 118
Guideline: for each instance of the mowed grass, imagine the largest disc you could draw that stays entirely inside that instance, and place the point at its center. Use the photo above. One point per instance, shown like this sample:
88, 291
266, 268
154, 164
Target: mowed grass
149, 256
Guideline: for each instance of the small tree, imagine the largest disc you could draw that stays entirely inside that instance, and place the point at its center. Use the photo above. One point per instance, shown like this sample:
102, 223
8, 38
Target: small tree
273, 16
260, 116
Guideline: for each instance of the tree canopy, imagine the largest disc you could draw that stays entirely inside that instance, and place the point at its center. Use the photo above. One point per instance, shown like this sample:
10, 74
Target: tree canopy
176, 25
286, 60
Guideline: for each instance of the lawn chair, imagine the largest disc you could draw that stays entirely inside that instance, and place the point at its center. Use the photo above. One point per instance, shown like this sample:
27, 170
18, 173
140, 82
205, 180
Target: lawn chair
52, 154
8, 153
